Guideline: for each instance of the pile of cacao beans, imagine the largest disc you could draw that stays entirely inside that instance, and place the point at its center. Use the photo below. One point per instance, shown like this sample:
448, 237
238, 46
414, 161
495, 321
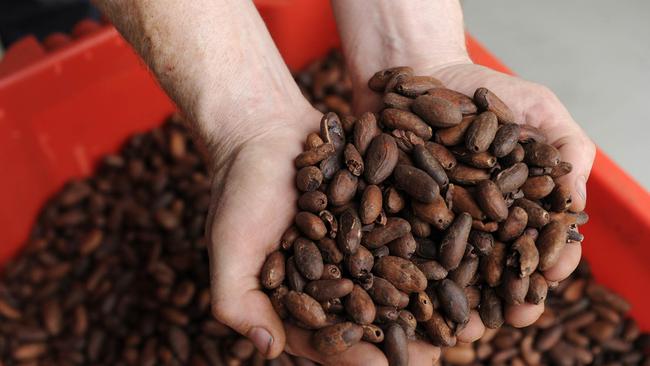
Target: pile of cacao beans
411, 218
583, 324
116, 271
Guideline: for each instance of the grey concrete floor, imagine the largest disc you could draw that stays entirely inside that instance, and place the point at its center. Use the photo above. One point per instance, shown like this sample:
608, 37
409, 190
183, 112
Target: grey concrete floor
595, 55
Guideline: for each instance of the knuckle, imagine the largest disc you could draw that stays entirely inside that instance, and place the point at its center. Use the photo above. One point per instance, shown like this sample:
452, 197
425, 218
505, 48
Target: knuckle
590, 148
544, 104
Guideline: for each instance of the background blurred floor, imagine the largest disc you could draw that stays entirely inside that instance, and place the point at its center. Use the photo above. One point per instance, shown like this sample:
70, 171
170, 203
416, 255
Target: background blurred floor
595, 55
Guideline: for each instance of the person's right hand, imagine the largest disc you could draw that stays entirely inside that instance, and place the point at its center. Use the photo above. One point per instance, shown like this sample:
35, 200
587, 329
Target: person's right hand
254, 201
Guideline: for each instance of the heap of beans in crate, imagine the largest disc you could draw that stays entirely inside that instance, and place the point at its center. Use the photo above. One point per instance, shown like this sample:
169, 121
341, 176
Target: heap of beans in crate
412, 217
583, 323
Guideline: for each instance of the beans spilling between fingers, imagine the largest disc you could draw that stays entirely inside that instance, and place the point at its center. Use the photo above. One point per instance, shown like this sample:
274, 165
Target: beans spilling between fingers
437, 205
583, 323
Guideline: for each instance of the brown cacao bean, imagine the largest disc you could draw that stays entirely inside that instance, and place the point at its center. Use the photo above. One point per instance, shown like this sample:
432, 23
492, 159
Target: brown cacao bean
452, 247
309, 178
421, 306
456, 134
524, 257
437, 112
394, 201
372, 333
510, 179
491, 310
305, 309
467, 175
492, 266
395, 228
384, 293
453, 301
308, 259
462, 101
360, 262
359, 306
323, 290
481, 132
514, 288
398, 119
412, 86
490, 199
396, 345
432, 270
371, 204
353, 160
541, 154
505, 139
313, 202
514, 225
342, 188
537, 289
314, 155
487, 100
403, 247
537, 216
439, 333
415, 182
272, 273
394, 100
551, 241
379, 80
402, 273
337, 338
349, 233
435, 213
380, 159
310, 225
365, 130
536, 188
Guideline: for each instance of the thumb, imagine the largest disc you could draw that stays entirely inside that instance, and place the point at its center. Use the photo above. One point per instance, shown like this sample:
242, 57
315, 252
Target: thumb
251, 314
237, 301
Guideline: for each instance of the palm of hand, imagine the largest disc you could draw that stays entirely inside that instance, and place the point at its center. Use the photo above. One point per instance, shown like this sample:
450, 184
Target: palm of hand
254, 202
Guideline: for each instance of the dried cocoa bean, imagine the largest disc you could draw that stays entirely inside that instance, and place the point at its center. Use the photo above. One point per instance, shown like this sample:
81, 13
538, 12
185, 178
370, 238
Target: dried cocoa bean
452, 247
380, 159
416, 183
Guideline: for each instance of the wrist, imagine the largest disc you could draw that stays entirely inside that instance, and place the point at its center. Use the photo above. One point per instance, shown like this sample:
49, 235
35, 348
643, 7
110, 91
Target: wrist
225, 128
425, 35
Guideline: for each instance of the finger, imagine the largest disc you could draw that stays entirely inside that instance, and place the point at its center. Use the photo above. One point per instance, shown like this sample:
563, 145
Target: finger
236, 298
569, 260
576, 148
473, 330
523, 315
362, 353
422, 353
251, 314
237, 251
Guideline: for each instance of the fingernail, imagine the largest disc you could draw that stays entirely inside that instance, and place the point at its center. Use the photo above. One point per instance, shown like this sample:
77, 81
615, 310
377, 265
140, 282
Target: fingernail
581, 188
261, 338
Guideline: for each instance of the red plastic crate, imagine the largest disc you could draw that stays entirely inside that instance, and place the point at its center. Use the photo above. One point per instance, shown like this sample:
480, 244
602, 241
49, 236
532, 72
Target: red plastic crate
67, 108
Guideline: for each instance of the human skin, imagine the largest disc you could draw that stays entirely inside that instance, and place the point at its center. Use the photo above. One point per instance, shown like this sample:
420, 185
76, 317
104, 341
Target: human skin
219, 64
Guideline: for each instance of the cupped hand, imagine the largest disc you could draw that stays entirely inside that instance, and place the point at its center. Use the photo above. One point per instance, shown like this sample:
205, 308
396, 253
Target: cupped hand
537, 106
254, 201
